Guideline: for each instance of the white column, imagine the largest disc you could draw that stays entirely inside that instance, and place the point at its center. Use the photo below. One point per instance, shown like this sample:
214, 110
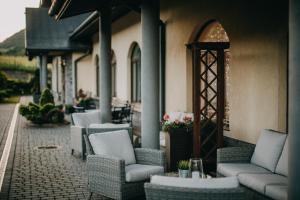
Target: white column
43, 72
39, 65
105, 62
294, 100
150, 74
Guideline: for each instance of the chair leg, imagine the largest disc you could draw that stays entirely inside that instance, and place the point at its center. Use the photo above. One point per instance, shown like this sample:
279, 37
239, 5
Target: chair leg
72, 151
90, 196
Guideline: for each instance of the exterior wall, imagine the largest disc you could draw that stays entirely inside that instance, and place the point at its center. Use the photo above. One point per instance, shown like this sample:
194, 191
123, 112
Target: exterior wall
86, 76
258, 65
258, 38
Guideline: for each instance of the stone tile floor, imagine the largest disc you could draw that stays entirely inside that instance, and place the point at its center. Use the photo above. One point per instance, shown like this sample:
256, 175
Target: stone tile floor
34, 173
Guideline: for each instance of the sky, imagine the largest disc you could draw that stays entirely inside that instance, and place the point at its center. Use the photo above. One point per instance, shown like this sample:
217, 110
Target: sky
12, 16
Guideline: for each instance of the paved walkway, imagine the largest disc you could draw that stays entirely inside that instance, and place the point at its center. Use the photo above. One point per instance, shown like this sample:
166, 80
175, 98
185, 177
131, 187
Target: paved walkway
34, 173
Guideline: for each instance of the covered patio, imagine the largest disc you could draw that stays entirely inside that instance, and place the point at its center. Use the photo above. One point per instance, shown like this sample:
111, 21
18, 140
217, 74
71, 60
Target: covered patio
262, 52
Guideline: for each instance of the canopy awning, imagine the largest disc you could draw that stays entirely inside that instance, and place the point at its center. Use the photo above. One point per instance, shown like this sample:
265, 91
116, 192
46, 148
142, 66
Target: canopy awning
68, 8
45, 35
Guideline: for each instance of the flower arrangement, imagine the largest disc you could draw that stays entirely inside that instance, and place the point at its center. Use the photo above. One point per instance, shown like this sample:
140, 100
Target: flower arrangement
183, 121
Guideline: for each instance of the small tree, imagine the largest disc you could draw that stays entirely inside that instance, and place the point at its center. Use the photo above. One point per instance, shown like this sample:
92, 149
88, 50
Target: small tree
46, 97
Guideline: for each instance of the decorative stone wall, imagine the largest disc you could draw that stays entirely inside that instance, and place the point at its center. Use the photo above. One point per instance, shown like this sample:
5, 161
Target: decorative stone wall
68, 80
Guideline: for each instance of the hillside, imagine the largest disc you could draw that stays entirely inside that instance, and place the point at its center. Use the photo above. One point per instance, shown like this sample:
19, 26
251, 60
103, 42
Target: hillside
14, 45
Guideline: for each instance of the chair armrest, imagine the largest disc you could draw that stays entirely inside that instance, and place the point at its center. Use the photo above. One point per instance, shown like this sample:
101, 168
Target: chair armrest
150, 156
155, 191
105, 170
76, 138
88, 147
234, 154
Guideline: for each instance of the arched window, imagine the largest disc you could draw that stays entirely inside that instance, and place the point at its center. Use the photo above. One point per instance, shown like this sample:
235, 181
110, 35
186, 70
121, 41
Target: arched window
113, 74
97, 75
214, 32
136, 74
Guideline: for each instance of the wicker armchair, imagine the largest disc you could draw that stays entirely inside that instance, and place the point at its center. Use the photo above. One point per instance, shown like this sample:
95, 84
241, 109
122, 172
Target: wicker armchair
107, 174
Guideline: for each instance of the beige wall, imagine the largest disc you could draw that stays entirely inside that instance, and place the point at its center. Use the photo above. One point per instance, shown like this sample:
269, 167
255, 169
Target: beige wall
258, 65
86, 76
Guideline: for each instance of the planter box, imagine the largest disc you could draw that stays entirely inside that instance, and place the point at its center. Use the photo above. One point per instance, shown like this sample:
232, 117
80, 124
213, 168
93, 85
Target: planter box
179, 145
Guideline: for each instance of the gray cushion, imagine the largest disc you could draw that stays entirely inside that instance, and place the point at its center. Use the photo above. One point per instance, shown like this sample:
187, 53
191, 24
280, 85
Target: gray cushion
115, 143
137, 172
268, 149
282, 166
258, 182
214, 183
233, 169
277, 192
109, 125
85, 119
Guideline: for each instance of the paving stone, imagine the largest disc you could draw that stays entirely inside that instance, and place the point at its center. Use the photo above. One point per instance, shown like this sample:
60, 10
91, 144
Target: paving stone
39, 173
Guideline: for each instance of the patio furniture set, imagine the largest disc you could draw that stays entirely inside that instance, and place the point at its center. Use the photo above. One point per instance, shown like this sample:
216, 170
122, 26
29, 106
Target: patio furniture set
118, 170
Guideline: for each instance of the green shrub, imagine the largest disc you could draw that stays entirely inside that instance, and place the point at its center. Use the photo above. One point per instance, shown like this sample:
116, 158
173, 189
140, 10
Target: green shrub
46, 108
19, 87
43, 112
69, 109
56, 115
46, 97
3, 80
3, 94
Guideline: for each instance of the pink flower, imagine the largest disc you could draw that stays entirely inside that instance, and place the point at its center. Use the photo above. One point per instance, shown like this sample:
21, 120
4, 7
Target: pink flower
177, 121
166, 117
187, 118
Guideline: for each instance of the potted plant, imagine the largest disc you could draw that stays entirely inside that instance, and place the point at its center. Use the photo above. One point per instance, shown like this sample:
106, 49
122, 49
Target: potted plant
178, 136
183, 168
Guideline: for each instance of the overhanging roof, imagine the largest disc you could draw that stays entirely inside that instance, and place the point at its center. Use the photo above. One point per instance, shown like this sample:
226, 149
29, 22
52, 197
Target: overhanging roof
90, 26
68, 8
45, 35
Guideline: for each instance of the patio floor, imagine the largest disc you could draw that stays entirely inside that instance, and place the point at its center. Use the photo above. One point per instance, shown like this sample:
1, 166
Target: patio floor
34, 173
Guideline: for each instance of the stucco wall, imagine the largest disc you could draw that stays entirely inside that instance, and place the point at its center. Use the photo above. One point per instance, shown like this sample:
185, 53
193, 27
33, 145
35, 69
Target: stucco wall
86, 76
258, 65
258, 38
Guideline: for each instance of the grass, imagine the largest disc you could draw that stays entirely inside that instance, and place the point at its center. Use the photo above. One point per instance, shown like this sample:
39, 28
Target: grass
17, 63
11, 100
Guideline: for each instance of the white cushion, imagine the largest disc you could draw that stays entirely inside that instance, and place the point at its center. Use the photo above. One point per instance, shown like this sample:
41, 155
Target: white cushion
138, 172
85, 119
234, 169
282, 166
115, 143
109, 125
268, 149
258, 182
277, 192
214, 183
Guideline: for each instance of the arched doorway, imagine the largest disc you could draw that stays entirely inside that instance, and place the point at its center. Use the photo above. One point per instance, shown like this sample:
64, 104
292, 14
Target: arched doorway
210, 105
